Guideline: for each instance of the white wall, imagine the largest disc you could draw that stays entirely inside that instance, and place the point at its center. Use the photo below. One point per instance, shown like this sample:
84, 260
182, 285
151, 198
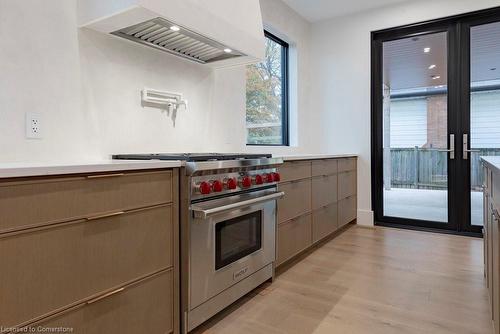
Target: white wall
228, 124
40, 72
86, 86
340, 72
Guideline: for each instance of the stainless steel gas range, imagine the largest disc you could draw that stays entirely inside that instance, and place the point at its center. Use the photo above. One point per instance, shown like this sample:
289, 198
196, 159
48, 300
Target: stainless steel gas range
228, 224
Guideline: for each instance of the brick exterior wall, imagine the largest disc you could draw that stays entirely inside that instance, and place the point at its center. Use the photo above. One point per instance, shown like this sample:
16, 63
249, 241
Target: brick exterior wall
437, 123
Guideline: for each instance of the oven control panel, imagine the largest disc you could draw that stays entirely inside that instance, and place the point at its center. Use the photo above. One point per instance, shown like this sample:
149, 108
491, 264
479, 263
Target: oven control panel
218, 184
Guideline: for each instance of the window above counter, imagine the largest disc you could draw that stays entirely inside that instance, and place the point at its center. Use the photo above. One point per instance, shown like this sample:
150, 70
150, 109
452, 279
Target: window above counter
267, 92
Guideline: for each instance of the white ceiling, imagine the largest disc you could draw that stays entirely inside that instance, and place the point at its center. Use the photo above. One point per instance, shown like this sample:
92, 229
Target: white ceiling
316, 10
406, 66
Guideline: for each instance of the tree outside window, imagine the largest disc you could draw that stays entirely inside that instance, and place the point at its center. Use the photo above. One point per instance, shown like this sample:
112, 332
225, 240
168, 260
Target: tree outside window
267, 96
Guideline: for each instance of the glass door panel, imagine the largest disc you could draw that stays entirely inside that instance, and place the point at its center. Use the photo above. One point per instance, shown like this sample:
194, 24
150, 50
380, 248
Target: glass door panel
484, 109
415, 128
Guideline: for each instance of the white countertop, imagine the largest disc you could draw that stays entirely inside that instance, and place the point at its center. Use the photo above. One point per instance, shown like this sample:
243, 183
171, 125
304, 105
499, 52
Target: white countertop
492, 162
8, 170
314, 157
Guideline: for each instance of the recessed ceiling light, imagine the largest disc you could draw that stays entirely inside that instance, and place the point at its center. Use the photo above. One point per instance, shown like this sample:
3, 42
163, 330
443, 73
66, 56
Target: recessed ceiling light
432, 66
175, 28
427, 50
228, 50
435, 77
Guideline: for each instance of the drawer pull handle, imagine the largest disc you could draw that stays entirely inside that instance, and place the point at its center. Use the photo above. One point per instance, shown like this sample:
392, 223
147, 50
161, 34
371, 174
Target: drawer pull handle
496, 215
107, 215
102, 176
109, 294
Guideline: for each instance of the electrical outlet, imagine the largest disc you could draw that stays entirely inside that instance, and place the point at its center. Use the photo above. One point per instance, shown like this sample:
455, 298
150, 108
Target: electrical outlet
33, 126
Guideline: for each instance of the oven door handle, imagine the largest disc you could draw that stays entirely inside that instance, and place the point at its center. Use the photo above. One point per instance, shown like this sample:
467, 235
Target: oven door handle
207, 213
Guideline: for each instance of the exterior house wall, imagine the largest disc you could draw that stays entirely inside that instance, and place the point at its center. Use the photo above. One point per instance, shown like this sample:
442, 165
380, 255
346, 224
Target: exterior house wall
437, 121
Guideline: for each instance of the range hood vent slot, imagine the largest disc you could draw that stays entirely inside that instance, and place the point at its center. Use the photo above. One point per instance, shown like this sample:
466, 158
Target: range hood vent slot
158, 33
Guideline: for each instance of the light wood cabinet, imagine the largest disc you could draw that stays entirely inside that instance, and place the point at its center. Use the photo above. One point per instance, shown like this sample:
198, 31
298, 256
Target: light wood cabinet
45, 201
324, 167
101, 233
145, 306
295, 170
293, 237
324, 190
320, 197
347, 184
347, 210
74, 261
491, 230
347, 164
297, 200
325, 222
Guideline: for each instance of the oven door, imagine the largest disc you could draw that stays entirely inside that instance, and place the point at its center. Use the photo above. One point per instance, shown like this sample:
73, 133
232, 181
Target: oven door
230, 238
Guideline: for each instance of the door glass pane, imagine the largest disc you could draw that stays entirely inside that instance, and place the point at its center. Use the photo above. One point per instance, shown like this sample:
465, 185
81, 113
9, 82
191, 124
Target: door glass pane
484, 107
415, 128
237, 238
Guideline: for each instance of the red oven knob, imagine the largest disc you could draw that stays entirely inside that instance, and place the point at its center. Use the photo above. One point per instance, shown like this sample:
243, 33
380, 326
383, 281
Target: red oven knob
269, 178
257, 179
276, 177
230, 183
204, 188
216, 186
245, 182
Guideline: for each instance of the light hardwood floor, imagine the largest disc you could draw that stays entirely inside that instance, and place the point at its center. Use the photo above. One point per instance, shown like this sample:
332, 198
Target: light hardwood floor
371, 281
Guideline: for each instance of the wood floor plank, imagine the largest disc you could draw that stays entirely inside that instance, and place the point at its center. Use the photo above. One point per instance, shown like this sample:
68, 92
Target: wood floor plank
373, 281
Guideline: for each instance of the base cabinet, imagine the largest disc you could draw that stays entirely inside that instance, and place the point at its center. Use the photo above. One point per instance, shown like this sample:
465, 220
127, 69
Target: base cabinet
324, 222
347, 210
491, 219
143, 307
293, 204
104, 259
320, 197
294, 236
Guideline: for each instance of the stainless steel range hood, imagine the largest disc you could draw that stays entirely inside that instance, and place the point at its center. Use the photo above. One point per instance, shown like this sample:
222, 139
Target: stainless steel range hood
167, 36
218, 33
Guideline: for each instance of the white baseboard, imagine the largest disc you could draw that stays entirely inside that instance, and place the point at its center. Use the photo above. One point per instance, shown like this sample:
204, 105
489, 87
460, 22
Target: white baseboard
365, 218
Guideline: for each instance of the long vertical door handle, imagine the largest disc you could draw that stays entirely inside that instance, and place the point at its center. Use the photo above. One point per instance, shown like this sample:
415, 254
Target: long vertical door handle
465, 147
452, 147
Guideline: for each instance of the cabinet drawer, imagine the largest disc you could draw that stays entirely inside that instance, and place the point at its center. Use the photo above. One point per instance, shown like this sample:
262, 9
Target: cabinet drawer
347, 184
295, 170
495, 188
347, 164
324, 167
293, 237
297, 199
324, 222
324, 191
347, 210
51, 268
143, 307
41, 202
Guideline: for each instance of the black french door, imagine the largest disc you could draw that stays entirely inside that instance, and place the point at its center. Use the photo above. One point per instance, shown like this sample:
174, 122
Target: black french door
435, 111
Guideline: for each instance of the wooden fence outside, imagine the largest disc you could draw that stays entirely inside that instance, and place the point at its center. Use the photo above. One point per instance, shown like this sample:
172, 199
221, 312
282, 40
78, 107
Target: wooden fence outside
420, 168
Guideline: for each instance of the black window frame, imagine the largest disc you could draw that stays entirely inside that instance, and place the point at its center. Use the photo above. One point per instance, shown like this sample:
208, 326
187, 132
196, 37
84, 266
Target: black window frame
285, 133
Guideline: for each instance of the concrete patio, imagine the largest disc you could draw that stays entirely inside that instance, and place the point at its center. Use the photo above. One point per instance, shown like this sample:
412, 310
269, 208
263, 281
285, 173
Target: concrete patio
426, 204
